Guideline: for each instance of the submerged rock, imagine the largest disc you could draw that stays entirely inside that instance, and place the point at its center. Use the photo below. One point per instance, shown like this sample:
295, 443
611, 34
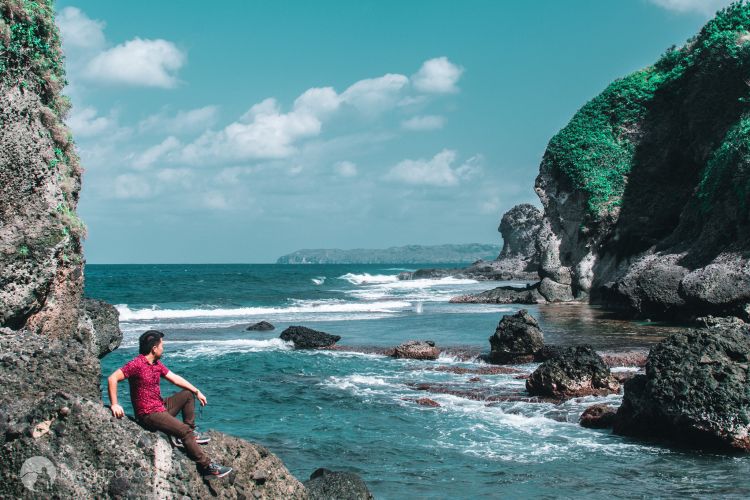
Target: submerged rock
695, 390
261, 326
504, 295
307, 338
635, 358
424, 402
326, 484
417, 349
599, 416
516, 339
576, 371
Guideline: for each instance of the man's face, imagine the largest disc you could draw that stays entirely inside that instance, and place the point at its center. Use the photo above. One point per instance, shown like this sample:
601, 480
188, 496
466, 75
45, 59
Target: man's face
158, 349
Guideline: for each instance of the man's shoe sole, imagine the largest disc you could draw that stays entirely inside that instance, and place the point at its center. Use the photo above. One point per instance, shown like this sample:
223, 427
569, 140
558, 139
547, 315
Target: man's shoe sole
178, 444
217, 476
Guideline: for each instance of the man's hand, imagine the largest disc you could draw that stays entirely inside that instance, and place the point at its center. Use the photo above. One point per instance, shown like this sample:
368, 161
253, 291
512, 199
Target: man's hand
201, 398
117, 411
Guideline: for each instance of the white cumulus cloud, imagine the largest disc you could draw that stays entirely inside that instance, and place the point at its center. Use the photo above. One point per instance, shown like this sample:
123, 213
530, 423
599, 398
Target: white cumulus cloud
78, 30
264, 132
705, 7
155, 153
87, 122
267, 132
426, 122
437, 171
138, 62
318, 101
437, 76
374, 95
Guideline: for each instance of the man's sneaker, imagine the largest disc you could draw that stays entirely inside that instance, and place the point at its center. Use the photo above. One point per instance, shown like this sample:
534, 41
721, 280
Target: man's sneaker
215, 470
198, 439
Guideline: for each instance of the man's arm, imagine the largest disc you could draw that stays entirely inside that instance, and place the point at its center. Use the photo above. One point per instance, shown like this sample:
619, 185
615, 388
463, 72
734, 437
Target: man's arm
112, 381
184, 384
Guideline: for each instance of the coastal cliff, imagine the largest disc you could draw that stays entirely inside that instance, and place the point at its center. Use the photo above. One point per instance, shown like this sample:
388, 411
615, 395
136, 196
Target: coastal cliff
646, 190
57, 439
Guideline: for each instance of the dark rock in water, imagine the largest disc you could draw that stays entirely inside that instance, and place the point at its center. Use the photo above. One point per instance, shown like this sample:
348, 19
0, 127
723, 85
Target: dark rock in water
100, 322
326, 484
623, 377
424, 402
262, 326
435, 273
548, 352
307, 338
479, 370
504, 295
599, 416
695, 390
516, 339
417, 349
635, 358
728, 322
576, 371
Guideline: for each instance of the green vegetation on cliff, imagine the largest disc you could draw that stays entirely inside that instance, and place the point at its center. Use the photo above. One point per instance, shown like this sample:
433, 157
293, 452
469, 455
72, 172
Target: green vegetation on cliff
41, 276
30, 53
596, 151
31, 60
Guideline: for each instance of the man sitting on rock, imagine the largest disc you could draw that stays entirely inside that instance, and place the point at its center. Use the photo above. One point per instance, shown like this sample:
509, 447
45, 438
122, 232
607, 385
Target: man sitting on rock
157, 414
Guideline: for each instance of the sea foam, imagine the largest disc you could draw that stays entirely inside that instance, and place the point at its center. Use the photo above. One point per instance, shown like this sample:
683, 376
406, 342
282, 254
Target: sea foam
391, 306
368, 279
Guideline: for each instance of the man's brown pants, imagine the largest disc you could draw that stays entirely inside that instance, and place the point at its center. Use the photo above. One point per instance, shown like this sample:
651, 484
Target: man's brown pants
165, 421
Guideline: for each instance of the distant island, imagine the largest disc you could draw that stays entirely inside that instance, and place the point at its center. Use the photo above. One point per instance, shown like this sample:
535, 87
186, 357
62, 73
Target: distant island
409, 254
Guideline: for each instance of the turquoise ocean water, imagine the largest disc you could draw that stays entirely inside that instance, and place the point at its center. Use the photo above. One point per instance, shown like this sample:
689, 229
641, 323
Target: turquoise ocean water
351, 410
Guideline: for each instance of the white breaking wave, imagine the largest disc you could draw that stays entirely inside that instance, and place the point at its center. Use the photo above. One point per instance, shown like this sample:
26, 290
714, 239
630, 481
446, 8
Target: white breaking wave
359, 384
368, 279
191, 348
319, 280
391, 306
424, 289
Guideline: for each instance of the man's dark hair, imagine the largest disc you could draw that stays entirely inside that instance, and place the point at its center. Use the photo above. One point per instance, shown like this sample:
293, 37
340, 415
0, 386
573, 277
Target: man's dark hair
148, 340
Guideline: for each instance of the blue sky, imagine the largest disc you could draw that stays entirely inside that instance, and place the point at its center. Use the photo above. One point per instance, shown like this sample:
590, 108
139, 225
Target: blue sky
240, 131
